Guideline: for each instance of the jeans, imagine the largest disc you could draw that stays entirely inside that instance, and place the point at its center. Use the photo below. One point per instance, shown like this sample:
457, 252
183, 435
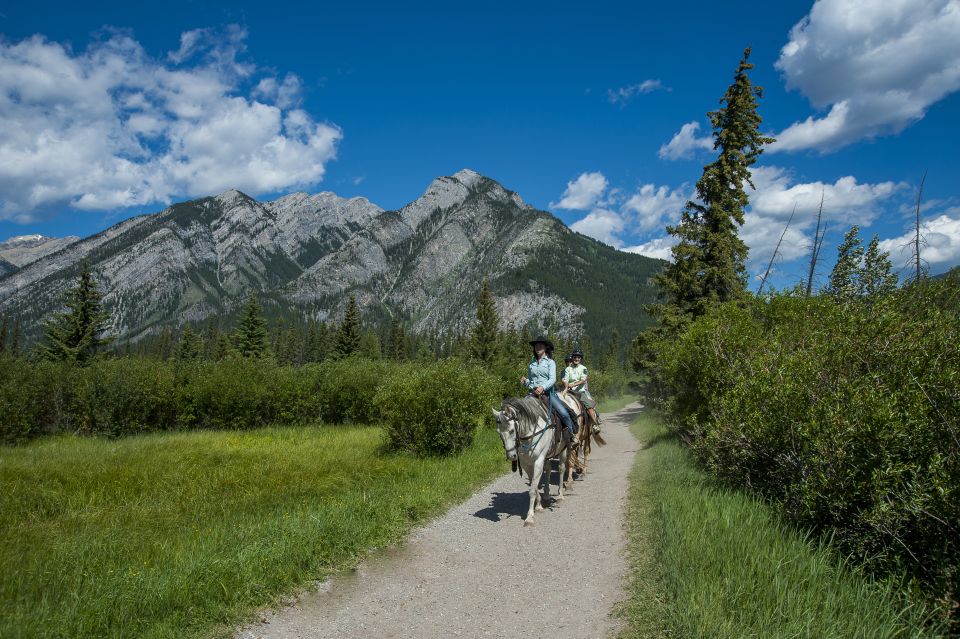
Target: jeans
561, 409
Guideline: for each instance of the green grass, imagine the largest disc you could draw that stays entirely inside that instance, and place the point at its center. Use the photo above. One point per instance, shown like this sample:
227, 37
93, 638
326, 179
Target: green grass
185, 534
711, 562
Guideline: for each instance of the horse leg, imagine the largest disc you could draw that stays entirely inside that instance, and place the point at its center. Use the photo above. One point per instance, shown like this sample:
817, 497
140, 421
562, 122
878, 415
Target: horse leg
534, 491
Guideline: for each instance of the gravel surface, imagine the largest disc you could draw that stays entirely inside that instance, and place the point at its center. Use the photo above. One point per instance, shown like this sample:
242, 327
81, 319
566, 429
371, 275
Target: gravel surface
478, 572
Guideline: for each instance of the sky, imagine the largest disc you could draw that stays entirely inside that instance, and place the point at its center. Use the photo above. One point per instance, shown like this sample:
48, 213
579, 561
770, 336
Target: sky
596, 113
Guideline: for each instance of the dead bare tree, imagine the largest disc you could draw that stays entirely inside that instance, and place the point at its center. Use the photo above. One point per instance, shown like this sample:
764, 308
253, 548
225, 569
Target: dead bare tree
817, 245
776, 250
916, 234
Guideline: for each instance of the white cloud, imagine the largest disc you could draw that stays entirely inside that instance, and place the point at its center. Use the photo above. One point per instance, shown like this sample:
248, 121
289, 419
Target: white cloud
583, 193
940, 242
653, 204
624, 94
877, 64
603, 225
658, 248
845, 199
112, 127
685, 143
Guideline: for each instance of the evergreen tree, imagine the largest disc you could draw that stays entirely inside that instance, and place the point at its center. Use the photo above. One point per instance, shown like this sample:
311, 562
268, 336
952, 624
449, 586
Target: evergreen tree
485, 335
3, 335
877, 278
611, 361
708, 260
845, 285
77, 334
370, 345
348, 334
397, 341
188, 346
14, 347
250, 337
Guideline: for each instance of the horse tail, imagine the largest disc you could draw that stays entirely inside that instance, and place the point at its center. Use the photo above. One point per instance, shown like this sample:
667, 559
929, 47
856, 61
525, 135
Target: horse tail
597, 437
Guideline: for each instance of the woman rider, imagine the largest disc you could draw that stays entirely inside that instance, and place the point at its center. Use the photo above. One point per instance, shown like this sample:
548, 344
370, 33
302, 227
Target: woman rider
575, 377
541, 378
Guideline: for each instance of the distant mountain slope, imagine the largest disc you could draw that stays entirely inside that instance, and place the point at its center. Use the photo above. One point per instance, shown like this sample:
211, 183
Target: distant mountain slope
22, 250
304, 255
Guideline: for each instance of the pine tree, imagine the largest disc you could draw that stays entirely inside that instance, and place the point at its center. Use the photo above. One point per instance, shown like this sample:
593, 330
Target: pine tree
708, 261
77, 334
3, 335
349, 332
611, 361
397, 341
877, 278
485, 335
370, 345
14, 347
845, 285
250, 337
188, 346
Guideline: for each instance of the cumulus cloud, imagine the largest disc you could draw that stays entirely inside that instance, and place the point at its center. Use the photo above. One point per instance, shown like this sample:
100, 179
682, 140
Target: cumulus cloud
624, 94
653, 204
658, 248
112, 127
583, 193
940, 242
876, 64
603, 225
685, 143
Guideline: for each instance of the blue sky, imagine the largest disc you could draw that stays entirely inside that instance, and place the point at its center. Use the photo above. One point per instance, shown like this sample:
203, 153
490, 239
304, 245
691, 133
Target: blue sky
596, 113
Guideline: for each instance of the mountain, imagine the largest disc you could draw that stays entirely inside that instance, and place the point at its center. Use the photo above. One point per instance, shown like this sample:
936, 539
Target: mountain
305, 254
19, 251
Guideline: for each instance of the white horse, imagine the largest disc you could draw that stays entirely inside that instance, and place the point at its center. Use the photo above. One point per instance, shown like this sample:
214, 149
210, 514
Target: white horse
530, 440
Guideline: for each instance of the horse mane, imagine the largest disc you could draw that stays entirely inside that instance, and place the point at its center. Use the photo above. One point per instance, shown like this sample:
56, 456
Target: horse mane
529, 408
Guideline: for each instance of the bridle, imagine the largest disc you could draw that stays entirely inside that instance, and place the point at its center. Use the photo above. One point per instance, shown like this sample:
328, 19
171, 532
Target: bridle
520, 441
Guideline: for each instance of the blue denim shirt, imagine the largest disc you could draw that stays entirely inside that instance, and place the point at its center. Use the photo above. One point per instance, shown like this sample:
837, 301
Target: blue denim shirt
542, 373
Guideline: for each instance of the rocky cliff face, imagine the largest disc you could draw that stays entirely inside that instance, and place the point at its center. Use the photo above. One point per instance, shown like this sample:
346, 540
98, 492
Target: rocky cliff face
19, 251
304, 255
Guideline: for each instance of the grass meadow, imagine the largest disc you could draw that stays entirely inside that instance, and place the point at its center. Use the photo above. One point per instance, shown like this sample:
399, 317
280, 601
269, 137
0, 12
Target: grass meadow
711, 562
186, 534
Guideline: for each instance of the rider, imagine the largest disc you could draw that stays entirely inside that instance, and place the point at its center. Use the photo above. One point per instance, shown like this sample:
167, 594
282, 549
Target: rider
575, 377
541, 378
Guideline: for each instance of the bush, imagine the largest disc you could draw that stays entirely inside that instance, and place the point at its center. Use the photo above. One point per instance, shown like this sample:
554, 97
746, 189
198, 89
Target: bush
848, 415
35, 399
435, 409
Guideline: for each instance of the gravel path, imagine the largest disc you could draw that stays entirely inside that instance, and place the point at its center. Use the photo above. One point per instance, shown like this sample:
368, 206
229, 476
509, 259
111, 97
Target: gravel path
478, 572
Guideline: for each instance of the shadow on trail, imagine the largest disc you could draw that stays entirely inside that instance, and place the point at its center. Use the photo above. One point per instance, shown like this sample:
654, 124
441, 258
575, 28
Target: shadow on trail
509, 504
627, 415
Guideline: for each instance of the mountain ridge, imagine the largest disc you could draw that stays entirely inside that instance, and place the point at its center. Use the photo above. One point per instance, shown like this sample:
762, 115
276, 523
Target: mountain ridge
305, 254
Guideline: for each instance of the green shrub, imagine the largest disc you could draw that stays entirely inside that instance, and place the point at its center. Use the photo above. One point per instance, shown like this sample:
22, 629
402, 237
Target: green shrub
122, 397
435, 409
848, 415
35, 399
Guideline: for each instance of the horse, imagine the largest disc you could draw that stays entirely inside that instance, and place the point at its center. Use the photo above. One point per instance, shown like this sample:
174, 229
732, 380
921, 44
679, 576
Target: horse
530, 439
577, 461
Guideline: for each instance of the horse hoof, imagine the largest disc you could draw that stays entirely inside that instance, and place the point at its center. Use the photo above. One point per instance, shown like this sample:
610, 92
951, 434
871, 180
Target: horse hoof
528, 522
539, 509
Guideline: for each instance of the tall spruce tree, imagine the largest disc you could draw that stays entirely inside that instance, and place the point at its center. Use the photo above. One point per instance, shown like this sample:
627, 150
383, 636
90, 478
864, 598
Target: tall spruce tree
250, 337
877, 278
708, 260
485, 336
188, 345
3, 335
397, 342
347, 341
77, 334
15, 337
845, 284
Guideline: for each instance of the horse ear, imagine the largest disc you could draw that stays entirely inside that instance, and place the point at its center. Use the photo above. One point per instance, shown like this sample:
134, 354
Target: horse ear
496, 413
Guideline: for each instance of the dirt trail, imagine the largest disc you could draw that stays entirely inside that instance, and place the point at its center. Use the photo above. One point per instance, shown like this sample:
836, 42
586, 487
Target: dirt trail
478, 572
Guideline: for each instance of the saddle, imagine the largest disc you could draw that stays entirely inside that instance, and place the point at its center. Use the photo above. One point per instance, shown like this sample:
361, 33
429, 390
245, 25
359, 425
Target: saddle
573, 404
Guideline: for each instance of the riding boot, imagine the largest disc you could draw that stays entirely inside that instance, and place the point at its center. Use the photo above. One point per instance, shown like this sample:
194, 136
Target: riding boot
571, 436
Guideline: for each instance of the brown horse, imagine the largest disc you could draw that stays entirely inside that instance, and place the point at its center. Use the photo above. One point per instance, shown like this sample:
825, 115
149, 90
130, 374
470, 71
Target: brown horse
577, 457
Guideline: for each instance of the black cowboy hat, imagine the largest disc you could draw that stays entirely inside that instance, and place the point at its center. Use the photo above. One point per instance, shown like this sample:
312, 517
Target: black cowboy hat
576, 353
543, 340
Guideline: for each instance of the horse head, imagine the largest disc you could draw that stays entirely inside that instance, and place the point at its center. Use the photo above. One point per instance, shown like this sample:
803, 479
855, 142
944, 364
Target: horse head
507, 428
